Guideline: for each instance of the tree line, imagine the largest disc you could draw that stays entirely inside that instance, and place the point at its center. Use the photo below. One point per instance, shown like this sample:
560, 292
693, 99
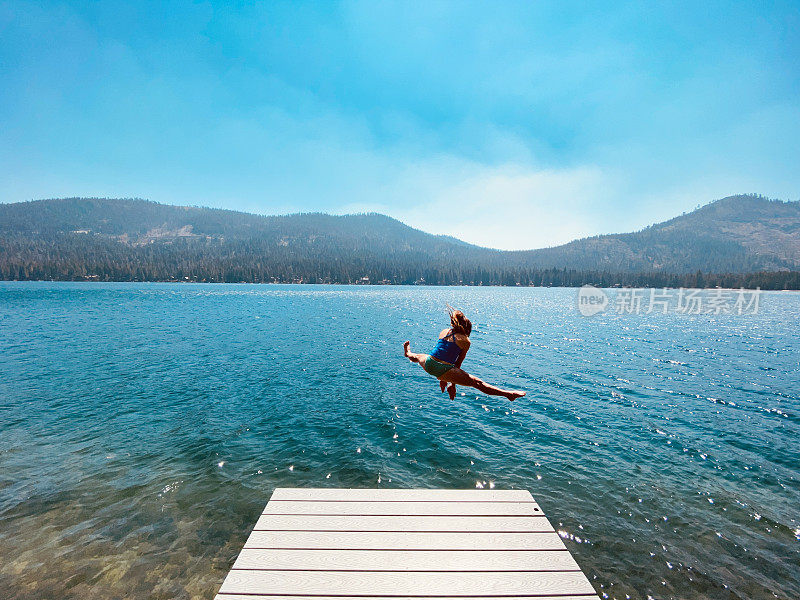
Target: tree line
76, 257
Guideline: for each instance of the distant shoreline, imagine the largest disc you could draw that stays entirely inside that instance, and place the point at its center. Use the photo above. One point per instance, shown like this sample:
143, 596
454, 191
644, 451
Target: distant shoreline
376, 285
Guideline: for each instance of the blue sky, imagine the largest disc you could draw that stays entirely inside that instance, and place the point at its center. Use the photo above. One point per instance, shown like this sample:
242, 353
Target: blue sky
511, 125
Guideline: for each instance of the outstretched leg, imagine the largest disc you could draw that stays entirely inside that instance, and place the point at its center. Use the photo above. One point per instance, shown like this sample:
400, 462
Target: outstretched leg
461, 377
413, 357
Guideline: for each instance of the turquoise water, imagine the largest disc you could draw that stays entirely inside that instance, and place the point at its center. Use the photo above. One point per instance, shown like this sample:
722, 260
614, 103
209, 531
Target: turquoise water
143, 427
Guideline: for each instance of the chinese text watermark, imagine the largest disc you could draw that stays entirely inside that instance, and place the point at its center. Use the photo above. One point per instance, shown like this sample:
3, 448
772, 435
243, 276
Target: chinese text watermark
686, 301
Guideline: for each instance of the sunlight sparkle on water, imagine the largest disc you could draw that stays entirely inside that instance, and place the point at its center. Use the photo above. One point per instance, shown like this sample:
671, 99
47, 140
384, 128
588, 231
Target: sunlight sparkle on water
137, 428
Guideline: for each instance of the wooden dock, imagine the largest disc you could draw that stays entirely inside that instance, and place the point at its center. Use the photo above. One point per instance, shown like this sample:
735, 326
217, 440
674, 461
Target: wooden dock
323, 544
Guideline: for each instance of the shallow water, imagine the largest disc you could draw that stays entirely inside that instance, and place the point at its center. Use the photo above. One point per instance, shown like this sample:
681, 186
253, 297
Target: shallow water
143, 427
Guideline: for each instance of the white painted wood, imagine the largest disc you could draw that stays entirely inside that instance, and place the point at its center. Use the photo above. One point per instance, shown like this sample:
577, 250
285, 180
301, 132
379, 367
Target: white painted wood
527, 597
402, 508
339, 544
404, 560
414, 583
406, 540
429, 523
386, 495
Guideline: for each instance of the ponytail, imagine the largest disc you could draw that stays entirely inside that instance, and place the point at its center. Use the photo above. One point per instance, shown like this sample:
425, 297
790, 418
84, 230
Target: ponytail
458, 322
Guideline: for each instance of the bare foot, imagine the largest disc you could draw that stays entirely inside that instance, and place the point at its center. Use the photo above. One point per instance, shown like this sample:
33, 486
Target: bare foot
451, 391
513, 395
406, 344
442, 385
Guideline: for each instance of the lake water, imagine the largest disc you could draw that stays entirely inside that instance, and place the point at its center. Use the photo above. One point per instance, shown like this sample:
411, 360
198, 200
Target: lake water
144, 426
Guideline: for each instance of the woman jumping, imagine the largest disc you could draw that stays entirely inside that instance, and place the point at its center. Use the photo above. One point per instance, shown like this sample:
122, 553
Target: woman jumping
444, 362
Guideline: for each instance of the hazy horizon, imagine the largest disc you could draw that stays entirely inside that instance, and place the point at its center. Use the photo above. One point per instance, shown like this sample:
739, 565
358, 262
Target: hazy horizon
289, 214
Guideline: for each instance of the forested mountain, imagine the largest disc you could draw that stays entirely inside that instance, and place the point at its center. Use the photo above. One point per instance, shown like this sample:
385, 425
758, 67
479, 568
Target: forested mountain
137, 240
738, 234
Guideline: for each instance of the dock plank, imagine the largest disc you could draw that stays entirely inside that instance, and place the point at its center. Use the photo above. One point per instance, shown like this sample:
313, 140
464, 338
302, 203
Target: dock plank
405, 560
399, 495
226, 596
404, 540
430, 523
449, 508
412, 583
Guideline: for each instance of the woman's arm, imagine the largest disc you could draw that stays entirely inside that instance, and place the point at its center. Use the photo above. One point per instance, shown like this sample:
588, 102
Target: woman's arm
463, 354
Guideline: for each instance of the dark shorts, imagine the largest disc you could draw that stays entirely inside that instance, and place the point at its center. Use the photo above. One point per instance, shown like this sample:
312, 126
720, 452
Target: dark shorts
435, 367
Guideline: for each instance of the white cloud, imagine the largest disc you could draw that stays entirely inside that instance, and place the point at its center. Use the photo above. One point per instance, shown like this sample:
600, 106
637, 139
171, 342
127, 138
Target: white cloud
508, 207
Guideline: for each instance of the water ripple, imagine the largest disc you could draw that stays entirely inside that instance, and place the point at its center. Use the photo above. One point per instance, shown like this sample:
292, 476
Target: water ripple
143, 426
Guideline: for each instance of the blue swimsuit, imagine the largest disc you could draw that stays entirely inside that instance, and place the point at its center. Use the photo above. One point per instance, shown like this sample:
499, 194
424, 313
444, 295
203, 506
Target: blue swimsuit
444, 356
